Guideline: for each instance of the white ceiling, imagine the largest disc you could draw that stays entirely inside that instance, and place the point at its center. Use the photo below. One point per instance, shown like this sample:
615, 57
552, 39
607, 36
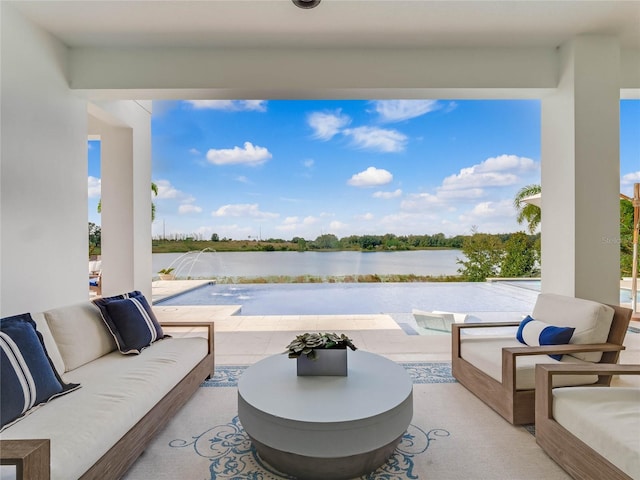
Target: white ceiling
334, 23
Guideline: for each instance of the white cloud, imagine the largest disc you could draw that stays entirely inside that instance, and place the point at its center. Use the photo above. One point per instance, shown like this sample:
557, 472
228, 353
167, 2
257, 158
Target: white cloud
229, 105
194, 151
388, 195
326, 125
247, 155
398, 110
480, 189
242, 179
420, 201
371, 177
308, 163
94, 187
374, 138
501, 171
630, 178
242, 210
168, 191
486, 211
294, 224
507, 162
366, 216
189, 208
337, 226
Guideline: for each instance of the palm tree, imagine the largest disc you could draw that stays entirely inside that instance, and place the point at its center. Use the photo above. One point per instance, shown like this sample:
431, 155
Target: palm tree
528, 213
154, 189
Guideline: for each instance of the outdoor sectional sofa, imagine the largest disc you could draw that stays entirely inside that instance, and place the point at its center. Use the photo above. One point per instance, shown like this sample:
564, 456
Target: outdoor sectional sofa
98, 430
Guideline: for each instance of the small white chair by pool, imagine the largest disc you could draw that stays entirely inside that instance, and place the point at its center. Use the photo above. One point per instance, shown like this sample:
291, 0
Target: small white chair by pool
438, 320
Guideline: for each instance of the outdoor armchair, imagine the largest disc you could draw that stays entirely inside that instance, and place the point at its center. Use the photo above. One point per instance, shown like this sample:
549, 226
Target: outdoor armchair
591, 432
501, 371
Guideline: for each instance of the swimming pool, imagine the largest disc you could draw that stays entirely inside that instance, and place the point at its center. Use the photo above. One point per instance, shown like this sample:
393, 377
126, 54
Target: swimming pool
488, 301
625, 293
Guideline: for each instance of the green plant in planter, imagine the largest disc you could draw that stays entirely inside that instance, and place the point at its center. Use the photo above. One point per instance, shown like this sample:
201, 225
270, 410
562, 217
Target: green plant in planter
308, 343
166, 271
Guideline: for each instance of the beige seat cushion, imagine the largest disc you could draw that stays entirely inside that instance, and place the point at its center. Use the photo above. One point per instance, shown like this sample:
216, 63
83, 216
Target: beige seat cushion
117, 391
606, 419
485, 353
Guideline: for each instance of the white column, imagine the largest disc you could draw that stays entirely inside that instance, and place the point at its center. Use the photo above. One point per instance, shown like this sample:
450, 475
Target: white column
125, 132
581, 172
117, 216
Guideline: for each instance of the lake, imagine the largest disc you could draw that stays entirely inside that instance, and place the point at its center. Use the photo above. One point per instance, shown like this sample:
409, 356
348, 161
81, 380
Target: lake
262, 264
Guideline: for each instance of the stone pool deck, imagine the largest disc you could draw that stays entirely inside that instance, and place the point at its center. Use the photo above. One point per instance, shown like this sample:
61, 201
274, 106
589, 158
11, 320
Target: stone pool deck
243, 340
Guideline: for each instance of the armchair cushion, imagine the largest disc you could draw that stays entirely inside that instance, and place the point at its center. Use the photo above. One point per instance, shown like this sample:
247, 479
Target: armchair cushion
591, 320
485, 353
606, 419
535, 333
27, 377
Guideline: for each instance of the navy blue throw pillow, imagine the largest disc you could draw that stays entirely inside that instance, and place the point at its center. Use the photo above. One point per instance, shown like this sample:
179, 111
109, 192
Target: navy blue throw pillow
27, 375
535, 333
130, 320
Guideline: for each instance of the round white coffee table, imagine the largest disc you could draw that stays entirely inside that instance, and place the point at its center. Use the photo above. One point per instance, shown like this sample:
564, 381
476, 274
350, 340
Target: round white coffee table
326, 427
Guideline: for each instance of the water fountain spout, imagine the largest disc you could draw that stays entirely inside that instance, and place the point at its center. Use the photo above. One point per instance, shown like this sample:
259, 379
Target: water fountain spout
188, 260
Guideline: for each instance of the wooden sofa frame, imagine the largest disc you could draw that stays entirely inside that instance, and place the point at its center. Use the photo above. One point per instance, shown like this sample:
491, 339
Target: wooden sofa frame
574, 456
518, 406
30, 456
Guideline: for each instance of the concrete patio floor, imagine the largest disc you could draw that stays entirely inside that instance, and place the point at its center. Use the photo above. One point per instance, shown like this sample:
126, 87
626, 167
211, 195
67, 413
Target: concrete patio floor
241, 340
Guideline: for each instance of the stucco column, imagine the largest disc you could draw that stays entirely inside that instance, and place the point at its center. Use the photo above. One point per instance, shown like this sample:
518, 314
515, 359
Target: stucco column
581, 172
117, 216
125, 134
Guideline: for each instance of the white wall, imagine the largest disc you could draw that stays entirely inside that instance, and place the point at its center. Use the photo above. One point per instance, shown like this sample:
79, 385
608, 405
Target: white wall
43, 168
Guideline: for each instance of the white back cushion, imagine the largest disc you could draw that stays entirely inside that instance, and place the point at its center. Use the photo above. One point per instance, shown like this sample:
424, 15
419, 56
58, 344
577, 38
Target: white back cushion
591, 320
80, 334
49, 343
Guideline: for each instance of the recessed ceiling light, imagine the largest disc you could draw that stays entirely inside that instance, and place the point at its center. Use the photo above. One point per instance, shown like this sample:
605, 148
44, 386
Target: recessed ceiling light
306, 3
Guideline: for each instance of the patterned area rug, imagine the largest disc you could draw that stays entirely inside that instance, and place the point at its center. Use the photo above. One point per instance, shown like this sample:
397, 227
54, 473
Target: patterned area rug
452, 436
420, 372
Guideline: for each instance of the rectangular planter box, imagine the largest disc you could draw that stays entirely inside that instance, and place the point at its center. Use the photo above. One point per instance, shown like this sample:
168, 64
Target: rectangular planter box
329, 362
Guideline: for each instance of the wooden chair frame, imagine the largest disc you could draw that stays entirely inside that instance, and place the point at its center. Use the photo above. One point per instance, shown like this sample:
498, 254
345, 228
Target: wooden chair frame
518, 406
123, 454
574, 456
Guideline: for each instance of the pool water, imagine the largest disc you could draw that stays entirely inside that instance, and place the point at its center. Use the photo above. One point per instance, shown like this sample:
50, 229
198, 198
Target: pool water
488, 301
625, 294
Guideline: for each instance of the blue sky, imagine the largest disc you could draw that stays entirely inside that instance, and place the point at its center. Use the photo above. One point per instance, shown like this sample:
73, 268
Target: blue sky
286, 168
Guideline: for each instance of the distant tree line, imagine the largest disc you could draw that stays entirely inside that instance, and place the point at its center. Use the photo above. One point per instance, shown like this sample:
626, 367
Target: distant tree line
388, 241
